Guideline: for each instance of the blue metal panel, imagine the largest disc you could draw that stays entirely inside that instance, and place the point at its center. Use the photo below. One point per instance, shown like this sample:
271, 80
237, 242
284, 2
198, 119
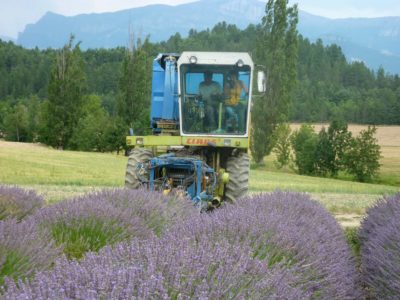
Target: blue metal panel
164, 93
157, 90
170, 91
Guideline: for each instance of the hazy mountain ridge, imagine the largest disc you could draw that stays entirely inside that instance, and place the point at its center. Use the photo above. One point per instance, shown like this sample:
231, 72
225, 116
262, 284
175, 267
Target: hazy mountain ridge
7, 38
375, 41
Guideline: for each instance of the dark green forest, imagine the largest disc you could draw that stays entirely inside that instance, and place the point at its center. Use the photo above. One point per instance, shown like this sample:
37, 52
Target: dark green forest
328, 87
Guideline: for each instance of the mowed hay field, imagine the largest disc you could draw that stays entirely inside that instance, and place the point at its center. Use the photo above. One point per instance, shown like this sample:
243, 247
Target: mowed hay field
62, 174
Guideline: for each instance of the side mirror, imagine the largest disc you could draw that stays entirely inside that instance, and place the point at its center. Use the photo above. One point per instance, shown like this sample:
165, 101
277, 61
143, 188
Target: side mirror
261, 82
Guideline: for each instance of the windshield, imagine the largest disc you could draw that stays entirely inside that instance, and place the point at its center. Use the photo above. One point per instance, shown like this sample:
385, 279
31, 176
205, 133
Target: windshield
214, 99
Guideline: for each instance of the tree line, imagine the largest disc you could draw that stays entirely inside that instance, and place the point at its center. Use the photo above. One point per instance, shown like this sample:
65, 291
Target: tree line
322, 84
328, 86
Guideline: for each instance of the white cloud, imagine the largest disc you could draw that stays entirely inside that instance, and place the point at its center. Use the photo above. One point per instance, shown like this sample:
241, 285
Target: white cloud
350, 8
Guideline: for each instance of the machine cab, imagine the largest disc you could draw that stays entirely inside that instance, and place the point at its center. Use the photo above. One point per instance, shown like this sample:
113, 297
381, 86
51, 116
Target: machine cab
202, 93
214, 91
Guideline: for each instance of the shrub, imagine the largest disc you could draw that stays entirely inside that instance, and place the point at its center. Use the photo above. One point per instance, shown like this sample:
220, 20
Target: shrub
304, 143
286, 229
380, 248
324, 157
282, 145
339, 139
18, 203
362, 158
23, 250
161, 268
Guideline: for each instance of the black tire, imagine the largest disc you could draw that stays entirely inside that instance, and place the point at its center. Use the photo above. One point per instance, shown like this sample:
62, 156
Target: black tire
238, 168
138, 155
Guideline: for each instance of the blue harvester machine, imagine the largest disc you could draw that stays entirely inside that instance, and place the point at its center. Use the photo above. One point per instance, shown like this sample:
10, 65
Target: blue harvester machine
204, 140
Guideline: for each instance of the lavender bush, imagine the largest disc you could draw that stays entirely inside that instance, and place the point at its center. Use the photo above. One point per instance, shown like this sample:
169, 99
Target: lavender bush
88, 224
154, 209
23, 250
92, 221
18, 203
162, 268
380, 248
286, 229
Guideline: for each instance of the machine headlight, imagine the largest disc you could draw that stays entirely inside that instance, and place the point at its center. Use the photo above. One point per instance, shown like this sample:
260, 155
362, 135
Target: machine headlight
193, 59
139, 141
240, 63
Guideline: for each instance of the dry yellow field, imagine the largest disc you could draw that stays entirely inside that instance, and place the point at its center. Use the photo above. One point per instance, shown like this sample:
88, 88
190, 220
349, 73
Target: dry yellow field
388, 136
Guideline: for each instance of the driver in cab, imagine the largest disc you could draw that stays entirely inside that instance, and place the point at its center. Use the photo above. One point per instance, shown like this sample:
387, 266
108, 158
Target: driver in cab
209, 91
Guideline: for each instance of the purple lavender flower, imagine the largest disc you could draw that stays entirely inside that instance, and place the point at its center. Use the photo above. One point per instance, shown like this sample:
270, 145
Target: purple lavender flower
24, 250
380, 248
18, 203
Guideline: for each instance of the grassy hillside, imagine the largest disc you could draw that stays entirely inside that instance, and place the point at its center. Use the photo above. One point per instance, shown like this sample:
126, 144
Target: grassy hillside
60, 174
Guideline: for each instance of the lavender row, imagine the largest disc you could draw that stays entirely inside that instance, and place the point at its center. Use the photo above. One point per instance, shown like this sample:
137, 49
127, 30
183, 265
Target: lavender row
380, 248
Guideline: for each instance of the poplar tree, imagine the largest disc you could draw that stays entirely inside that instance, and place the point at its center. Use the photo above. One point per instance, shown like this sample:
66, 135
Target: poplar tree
134, 89
66, 89
277, 51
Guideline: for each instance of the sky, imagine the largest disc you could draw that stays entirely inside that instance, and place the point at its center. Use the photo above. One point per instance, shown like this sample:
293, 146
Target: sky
16, 14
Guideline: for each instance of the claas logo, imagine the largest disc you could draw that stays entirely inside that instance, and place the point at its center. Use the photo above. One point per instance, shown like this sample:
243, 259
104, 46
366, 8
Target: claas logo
199, 141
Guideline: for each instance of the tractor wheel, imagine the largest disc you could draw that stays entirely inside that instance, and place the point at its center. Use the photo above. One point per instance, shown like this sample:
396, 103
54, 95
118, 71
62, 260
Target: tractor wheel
138, 155
238, 169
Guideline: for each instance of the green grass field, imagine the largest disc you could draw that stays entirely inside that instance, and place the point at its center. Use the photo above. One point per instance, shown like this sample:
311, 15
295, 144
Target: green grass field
61, 174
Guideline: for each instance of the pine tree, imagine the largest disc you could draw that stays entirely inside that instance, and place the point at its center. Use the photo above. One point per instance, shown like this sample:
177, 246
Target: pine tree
277, 51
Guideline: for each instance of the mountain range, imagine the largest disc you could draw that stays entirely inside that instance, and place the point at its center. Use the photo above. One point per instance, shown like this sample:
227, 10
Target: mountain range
376, 41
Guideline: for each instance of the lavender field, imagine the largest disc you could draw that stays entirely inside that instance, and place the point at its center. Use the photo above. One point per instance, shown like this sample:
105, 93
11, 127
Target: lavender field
119, 244
134, 244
